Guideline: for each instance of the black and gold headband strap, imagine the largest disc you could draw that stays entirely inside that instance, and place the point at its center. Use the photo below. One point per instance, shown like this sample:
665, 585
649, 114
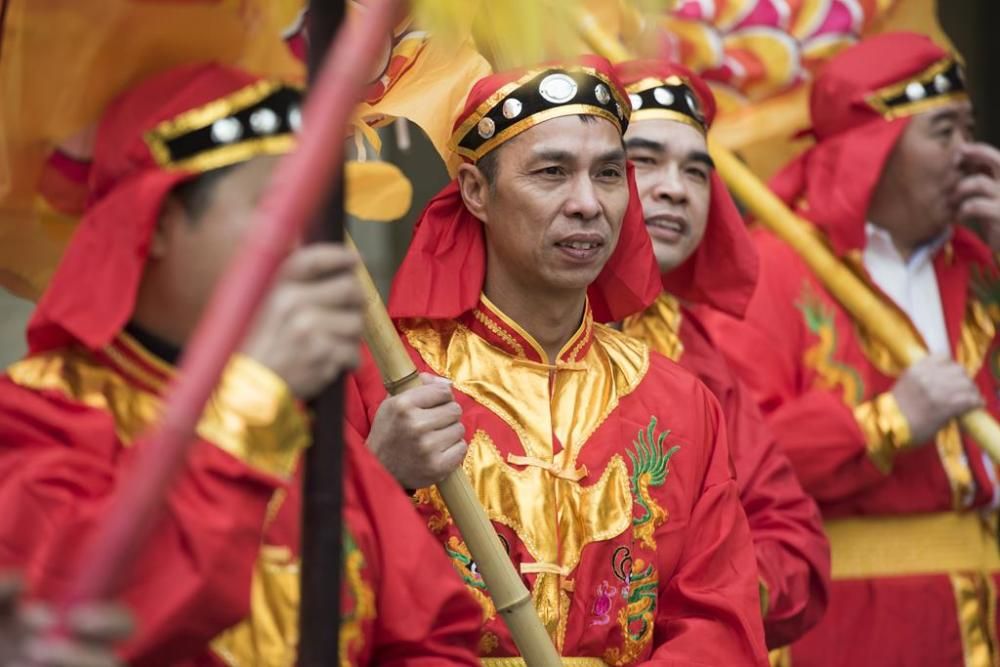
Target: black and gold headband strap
261, 119
941, 83
671, 98
538, 96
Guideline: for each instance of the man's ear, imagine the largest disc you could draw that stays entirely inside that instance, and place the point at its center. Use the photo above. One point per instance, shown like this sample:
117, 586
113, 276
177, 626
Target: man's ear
172, 214
475, 190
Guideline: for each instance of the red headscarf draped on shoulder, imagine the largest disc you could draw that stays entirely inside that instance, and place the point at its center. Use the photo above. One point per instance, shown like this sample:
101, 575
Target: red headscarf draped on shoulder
157, 135
860, 104
442, 275
722, 271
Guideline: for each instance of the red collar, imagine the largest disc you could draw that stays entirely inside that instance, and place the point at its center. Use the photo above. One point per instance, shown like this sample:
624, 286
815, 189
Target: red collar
489, 323
136, 364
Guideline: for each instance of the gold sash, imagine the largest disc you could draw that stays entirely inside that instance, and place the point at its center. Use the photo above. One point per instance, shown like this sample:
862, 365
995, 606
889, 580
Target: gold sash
519, 662
888, 546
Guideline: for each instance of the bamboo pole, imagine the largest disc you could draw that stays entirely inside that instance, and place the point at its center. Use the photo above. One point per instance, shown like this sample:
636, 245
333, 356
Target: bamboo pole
884, 324
509, 594
858, 299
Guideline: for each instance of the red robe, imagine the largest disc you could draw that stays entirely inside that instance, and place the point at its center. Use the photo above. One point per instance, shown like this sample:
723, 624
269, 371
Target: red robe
901, 595
793, 556
608, 478
227, 543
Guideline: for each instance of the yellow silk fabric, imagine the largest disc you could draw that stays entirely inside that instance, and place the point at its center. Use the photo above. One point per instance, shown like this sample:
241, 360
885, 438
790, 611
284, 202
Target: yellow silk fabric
659, 325
543, 502
252, 415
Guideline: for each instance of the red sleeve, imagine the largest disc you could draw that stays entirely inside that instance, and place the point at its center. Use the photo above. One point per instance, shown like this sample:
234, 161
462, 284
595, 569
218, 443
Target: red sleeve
814, 427
60, 462
425, 616
363, 393
817, 431
826, 446
793, 555
709, 611
425, 613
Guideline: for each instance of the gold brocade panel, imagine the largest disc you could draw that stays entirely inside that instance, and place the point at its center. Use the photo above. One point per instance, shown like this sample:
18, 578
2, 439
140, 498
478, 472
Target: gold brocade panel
250, 415
570, 409
269, 636
976, 605
254, 420
553, 505
660, 326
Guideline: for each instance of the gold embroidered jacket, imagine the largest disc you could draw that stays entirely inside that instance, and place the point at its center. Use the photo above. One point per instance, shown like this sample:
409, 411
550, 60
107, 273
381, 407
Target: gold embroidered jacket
607, 475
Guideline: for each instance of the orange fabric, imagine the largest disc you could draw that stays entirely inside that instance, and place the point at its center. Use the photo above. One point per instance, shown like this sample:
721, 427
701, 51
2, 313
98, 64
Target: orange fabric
704, 610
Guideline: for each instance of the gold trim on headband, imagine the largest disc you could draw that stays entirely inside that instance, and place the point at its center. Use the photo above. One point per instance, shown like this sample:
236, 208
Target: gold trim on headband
880, 99
202, 117
651, 108
487, 105
653, 82
532, 120
223, 156
667, 114
920, 106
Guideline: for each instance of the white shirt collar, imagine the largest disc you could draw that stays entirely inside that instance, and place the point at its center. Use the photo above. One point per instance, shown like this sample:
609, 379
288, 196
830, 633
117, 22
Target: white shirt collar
879, 242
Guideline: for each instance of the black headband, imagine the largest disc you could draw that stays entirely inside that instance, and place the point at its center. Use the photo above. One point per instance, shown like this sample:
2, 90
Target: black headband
670, 98
260, 119
536, 97
940, 83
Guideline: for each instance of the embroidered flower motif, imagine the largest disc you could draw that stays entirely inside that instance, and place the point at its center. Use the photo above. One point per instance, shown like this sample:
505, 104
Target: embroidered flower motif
603, 604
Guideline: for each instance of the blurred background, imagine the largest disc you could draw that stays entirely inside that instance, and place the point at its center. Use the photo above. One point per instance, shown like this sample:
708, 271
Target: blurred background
971, 25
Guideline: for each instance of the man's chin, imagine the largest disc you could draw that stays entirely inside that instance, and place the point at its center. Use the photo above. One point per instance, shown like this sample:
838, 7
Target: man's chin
668, 257
575, 279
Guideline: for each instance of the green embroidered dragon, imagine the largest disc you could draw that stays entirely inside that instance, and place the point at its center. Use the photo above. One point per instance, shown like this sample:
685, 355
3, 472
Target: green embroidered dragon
649, 469
820, 357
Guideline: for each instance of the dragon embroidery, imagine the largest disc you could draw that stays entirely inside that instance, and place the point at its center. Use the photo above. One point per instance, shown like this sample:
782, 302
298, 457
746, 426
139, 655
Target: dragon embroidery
649, 469
362, 599
461, 559
832, 373
439, 517
639, 578
985, 287
636, 617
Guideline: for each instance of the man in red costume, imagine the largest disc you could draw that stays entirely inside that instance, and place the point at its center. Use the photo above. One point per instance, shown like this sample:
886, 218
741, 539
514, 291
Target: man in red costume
180, 162
603, 467
706, 259
906, 497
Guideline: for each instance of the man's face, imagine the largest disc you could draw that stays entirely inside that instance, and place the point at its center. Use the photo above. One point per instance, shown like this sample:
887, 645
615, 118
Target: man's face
921, 173
672, 170
554, 213
193, 246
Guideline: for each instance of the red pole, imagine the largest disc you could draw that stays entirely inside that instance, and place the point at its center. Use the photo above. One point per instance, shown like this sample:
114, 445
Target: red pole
293, 199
